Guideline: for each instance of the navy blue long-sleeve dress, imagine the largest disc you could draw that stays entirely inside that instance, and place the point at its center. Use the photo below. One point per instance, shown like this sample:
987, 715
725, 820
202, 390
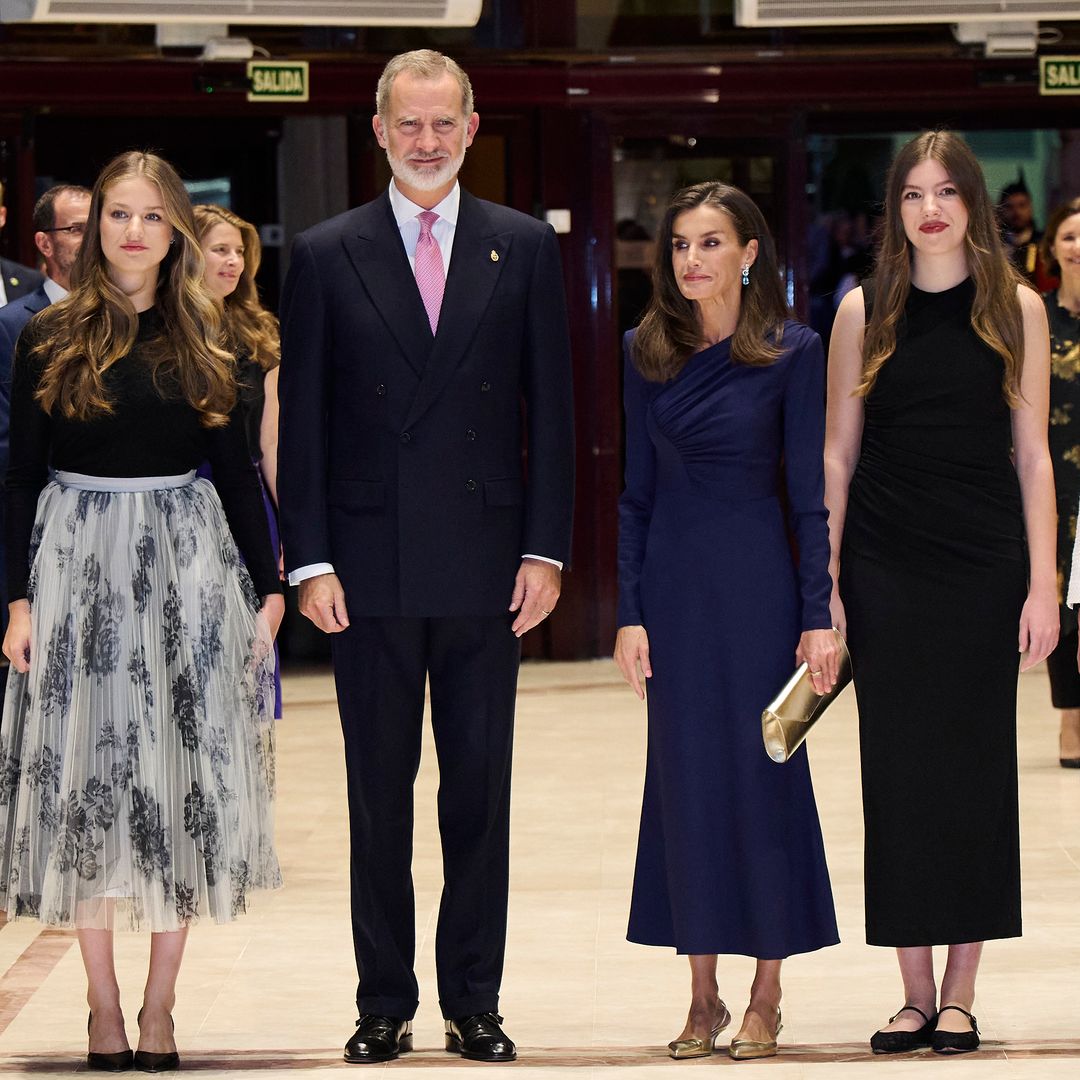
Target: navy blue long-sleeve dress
730, 856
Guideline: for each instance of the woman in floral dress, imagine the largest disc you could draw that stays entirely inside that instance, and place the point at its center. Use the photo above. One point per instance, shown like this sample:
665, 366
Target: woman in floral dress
1060, 249
136, 754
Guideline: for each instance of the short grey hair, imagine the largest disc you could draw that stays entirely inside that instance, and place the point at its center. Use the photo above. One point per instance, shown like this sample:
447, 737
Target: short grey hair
424, 64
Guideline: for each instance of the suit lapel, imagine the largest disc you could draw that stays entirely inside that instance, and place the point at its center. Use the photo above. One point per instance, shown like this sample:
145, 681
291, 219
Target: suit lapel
37, 301
478, 257
378, 256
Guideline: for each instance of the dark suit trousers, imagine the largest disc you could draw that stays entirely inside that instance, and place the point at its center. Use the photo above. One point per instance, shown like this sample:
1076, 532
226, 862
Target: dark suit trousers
380, 666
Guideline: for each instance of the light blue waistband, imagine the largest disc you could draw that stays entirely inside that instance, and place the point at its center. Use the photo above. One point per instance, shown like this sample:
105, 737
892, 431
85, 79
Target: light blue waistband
82, 482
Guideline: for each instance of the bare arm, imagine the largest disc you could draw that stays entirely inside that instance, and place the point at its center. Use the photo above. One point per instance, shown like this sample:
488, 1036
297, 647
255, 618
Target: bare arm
1039, 619
268, 433
843, 429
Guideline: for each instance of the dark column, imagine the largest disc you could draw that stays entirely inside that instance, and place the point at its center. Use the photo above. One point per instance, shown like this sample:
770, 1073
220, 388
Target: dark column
575, 156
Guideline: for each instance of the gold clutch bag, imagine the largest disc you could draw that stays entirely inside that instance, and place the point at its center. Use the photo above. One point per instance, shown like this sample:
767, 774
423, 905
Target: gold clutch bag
794, 711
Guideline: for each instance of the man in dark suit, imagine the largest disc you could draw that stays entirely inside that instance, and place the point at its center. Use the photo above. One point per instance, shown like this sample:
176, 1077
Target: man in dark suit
425, 342
15, 279
59, 221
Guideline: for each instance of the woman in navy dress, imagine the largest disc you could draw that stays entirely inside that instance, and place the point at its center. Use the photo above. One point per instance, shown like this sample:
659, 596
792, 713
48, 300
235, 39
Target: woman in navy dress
725, 408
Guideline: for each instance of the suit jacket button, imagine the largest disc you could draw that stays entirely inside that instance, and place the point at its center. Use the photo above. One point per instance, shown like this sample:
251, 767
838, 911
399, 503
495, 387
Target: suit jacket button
381, 389
470, 434
485, 386
470, 485
406, 437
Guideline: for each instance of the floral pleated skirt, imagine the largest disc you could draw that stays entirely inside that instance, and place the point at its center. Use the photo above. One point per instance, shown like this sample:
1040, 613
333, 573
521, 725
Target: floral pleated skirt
137, 754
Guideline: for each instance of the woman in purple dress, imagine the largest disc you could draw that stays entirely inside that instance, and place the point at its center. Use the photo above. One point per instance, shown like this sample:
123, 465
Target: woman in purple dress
725, 408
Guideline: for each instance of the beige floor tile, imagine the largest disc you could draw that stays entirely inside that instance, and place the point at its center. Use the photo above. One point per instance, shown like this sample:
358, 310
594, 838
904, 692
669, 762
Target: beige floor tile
274, 991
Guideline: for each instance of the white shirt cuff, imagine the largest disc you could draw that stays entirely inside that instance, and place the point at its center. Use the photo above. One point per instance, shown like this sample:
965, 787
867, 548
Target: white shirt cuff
311, 570
544, 558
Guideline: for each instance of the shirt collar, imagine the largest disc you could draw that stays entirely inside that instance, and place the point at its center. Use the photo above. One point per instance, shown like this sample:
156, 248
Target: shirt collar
406, 210
53, 291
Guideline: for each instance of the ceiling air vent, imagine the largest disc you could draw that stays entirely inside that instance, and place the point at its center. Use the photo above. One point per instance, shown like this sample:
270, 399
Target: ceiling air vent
265, 12
866, 12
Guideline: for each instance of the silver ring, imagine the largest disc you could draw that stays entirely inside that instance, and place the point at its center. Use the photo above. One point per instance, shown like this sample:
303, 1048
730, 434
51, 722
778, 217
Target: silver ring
815, 673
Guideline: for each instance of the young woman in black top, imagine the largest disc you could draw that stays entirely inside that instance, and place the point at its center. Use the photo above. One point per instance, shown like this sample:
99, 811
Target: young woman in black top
136, 754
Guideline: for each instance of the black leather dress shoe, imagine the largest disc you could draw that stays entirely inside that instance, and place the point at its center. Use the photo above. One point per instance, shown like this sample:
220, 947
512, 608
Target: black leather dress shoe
479, 1038
378, 1038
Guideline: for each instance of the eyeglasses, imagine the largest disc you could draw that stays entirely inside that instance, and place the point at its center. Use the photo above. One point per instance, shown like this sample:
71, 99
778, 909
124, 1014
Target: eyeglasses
74, 230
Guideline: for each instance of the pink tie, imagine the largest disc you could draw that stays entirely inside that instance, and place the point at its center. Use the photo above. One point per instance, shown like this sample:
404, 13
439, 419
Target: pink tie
430, 275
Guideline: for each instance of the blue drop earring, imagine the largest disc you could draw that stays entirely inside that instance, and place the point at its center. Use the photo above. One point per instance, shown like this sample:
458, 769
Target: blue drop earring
746, 274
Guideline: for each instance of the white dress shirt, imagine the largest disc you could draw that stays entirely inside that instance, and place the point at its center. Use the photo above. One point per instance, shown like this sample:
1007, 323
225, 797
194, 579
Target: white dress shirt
53, 291
406, 214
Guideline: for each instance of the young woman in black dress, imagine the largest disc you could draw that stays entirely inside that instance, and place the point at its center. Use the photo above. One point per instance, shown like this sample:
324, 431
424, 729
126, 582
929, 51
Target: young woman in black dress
136, 754
941, 501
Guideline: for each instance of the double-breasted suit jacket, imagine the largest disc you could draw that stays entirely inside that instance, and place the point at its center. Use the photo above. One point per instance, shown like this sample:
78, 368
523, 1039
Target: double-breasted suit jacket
401, 452
401, 465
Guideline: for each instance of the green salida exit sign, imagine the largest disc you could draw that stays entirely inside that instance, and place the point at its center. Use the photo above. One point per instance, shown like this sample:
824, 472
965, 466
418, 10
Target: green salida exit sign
1059, 74
278, 80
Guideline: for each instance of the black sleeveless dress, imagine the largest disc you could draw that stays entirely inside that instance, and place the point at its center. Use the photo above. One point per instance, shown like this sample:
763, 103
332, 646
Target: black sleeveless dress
933, 575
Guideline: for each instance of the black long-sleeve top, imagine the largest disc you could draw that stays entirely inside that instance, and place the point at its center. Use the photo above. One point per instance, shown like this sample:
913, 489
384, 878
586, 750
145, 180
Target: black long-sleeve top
152, 431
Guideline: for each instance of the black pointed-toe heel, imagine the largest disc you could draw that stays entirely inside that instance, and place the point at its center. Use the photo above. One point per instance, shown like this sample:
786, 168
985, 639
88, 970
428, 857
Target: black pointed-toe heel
120, 1061
155, 1063
956, 1042
901, 1042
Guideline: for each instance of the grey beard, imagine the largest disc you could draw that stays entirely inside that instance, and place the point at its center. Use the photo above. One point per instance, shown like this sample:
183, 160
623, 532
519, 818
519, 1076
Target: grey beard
422, 180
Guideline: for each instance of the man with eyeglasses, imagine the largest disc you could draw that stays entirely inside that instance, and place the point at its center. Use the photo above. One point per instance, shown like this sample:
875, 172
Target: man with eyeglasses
15, 279
59, 221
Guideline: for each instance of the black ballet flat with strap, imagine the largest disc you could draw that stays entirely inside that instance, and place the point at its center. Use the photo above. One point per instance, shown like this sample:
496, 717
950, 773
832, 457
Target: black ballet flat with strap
956, 1042
902, 1042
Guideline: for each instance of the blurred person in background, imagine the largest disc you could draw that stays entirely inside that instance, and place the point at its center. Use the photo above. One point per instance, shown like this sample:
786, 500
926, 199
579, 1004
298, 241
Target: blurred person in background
233, 252
15, 279
59, 221
1061, 254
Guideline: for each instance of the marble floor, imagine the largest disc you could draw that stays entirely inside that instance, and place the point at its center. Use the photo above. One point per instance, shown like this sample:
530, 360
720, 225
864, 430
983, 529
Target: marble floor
274, 991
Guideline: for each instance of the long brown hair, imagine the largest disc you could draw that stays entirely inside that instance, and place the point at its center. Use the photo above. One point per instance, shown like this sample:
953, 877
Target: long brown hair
83, 335
250, 330
1057, 219
670, 331
995, 315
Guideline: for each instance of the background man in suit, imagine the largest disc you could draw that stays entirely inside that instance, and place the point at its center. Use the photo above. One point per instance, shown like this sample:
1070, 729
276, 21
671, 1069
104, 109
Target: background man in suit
15, 279
425, 337
59, 221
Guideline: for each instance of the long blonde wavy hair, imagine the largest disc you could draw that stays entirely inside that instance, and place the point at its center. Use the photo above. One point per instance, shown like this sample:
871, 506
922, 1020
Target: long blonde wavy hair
250, 330
995, 315
83, 335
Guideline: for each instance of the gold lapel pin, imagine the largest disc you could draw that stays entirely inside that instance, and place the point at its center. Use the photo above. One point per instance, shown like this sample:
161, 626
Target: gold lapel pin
494, 255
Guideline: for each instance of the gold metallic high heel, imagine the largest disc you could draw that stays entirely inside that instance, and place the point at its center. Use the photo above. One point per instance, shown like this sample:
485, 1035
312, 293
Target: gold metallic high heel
695, 1048
748, 1049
